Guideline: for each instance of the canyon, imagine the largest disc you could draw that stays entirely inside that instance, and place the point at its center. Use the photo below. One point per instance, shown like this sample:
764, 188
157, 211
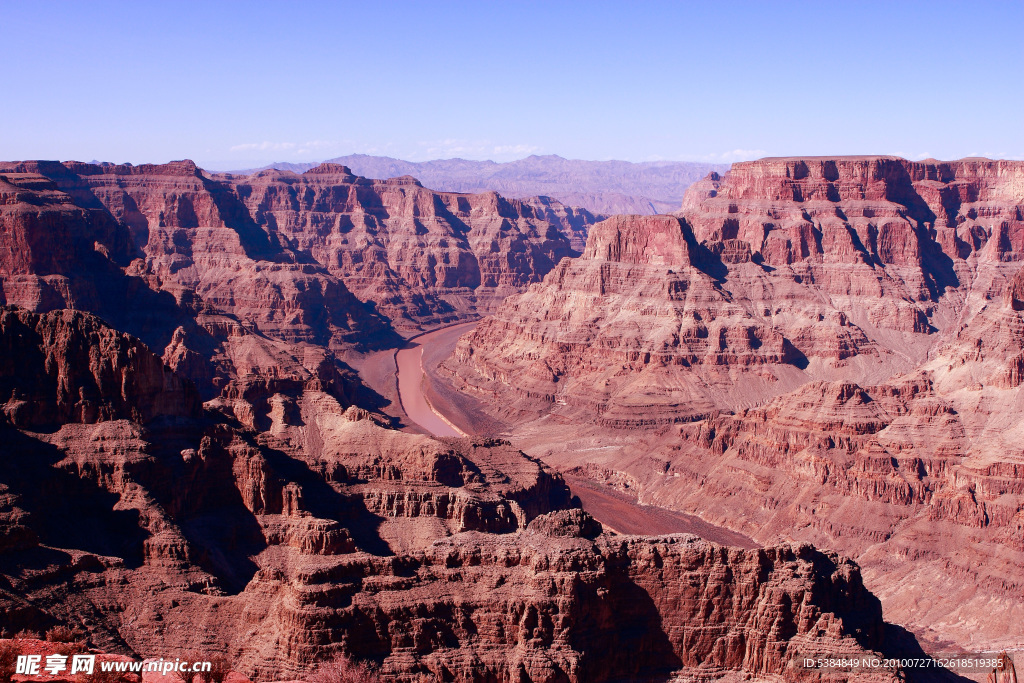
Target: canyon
823, 350
813, 366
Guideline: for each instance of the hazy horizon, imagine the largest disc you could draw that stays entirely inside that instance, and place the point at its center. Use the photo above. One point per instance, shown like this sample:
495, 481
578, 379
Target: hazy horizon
223, 167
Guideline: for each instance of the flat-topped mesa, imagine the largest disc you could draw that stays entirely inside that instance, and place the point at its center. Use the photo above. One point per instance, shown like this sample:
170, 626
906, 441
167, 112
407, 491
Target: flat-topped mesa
339, 173
330, 169
184, 167
870, 178
643, 308
779, 261
885, 210
653, 240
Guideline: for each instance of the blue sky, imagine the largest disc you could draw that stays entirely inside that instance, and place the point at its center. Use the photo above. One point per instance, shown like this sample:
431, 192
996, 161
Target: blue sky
233, 84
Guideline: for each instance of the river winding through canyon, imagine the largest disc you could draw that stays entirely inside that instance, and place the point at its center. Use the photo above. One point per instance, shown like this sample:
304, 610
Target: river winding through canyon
612, 508
410, 374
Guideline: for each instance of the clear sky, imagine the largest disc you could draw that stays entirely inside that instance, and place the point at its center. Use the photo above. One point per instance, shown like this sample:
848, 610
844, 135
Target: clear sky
235, 84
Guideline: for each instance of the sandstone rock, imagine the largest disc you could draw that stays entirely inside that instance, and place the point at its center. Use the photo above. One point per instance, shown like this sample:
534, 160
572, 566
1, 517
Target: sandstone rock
894, 211
324, 532
816, 349
286, 522
1014, 295
259, 326
421, 256
284, 250
569, 523
199, 239
68, 366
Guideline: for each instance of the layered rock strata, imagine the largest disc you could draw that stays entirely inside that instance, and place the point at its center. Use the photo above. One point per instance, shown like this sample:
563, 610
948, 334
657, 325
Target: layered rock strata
246, 336
68, 366
163, 531
816, 349
420, 256
288, 251
196, 239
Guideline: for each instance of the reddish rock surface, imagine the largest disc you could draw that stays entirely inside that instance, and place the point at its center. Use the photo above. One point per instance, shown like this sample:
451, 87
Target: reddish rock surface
68, 366
824, 350
242, 329
421, 256
285, 250
162, 532
197, 239
284, 520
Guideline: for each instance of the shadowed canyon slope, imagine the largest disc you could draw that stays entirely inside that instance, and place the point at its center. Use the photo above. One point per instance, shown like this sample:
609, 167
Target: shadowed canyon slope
826, 350
603, 187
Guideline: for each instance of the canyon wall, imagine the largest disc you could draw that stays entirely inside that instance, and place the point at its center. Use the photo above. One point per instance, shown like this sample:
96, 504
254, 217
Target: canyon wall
420, 256
813, 349
187, 463
161, 529
315, 257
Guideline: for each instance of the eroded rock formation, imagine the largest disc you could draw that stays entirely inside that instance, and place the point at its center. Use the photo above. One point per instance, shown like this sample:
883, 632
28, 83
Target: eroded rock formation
163, 531
289, 251
825, 350
68, 366
603, 187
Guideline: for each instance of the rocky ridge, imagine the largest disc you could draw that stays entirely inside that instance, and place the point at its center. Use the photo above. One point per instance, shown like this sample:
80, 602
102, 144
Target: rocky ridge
420, 256
64, 249
601, 187
288, 251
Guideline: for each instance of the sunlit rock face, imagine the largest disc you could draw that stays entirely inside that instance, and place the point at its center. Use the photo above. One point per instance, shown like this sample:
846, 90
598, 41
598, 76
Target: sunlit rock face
819, 349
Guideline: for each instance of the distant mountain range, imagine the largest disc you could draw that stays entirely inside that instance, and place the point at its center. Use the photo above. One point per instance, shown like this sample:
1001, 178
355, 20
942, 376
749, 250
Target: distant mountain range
604, 187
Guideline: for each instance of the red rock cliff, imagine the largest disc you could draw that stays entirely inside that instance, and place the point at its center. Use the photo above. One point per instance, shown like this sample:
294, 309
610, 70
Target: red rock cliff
840, 343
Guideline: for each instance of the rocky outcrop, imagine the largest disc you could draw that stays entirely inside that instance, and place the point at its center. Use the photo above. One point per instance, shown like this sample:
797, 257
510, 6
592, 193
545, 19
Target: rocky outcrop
647, 307
815, 254
288, 251
884, 210
198, 239
836, 268
239, 551
822, 350
1014, 294
68, 366
556, 608
55, 254
259, 327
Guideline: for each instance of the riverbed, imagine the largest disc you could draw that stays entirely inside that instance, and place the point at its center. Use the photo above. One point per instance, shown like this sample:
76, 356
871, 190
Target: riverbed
409, 362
